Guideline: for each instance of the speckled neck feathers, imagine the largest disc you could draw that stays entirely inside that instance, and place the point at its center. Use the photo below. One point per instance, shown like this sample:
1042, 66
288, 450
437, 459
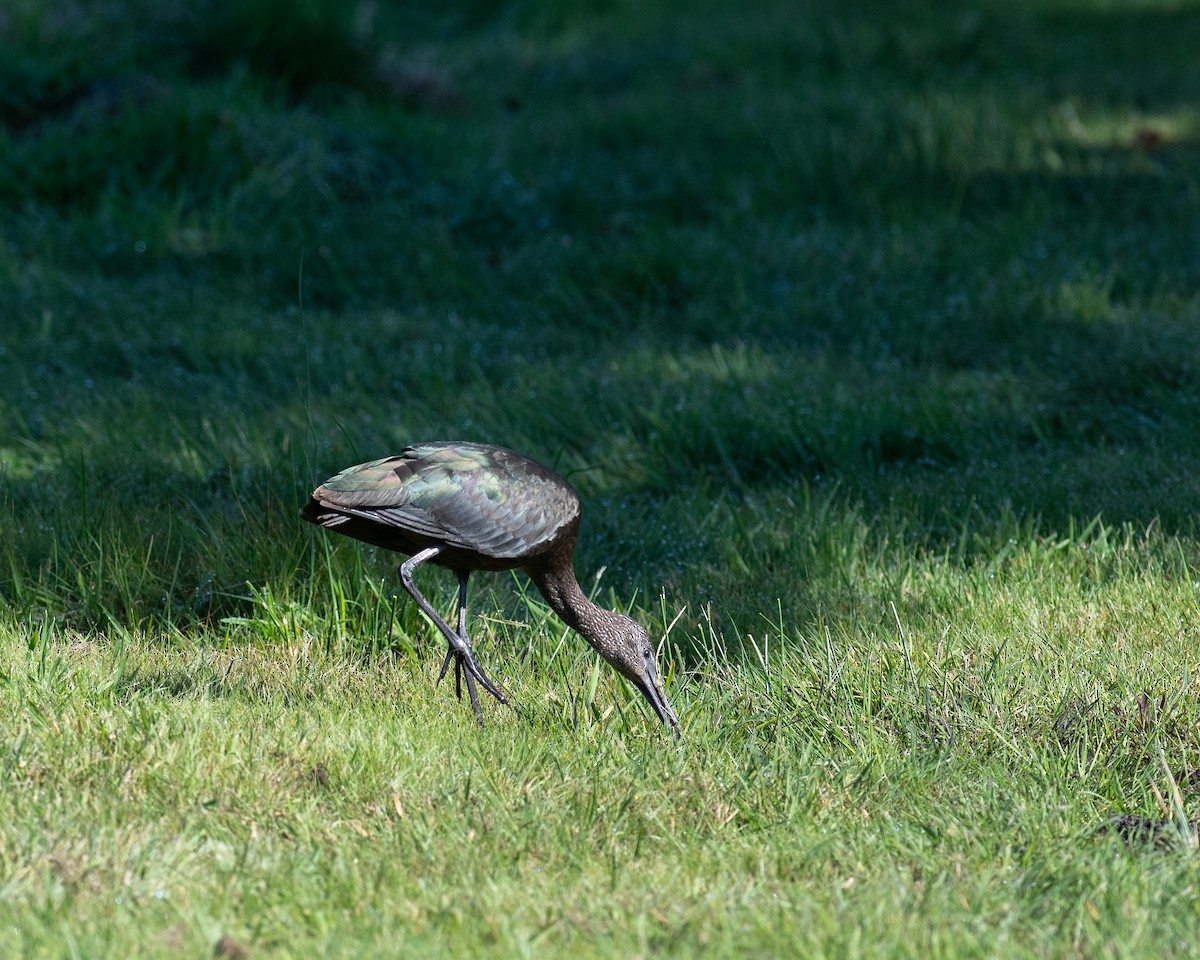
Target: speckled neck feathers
555, 580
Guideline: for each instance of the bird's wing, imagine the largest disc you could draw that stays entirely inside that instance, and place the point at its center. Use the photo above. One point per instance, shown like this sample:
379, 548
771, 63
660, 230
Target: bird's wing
480, 499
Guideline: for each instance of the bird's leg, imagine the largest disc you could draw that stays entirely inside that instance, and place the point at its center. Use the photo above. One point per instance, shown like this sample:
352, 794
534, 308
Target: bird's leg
463, 575
459, 645
462, 603
462, 633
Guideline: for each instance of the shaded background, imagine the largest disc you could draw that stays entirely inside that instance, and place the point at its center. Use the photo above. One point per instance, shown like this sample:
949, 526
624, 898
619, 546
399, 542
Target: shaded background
773, 287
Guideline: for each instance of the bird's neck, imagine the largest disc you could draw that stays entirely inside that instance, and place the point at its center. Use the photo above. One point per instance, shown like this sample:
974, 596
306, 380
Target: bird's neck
557, 583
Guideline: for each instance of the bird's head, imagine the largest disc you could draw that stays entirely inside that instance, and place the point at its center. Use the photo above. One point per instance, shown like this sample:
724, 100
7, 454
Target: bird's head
631, 652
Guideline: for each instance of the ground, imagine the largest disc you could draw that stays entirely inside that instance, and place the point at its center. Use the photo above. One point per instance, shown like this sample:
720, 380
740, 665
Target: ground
869, 336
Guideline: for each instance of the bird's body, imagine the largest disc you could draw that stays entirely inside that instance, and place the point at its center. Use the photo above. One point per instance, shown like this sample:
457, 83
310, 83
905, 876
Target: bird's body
488, 508
467, 507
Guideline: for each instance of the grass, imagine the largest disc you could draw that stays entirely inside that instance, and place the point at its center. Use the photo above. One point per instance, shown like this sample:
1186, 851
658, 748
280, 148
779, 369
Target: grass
869, 338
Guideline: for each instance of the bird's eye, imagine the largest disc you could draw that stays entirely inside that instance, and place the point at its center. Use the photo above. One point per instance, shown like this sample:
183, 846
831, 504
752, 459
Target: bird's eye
646, 652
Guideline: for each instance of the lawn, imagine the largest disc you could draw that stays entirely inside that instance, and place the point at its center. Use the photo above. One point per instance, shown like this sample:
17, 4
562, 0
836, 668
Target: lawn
870, 336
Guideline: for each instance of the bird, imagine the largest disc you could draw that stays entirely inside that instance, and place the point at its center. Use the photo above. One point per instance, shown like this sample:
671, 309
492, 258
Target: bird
476, 507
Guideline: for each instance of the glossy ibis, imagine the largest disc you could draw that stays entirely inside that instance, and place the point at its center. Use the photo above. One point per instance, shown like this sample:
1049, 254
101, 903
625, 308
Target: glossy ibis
469, 506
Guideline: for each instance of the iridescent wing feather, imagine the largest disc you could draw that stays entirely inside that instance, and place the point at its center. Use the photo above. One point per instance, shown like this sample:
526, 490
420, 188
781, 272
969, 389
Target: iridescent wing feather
469, 497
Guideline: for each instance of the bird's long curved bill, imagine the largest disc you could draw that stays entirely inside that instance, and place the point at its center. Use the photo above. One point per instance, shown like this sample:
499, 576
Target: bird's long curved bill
652, 690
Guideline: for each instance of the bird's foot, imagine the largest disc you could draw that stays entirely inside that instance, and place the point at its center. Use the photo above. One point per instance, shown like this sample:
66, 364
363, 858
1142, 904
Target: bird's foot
465, 665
